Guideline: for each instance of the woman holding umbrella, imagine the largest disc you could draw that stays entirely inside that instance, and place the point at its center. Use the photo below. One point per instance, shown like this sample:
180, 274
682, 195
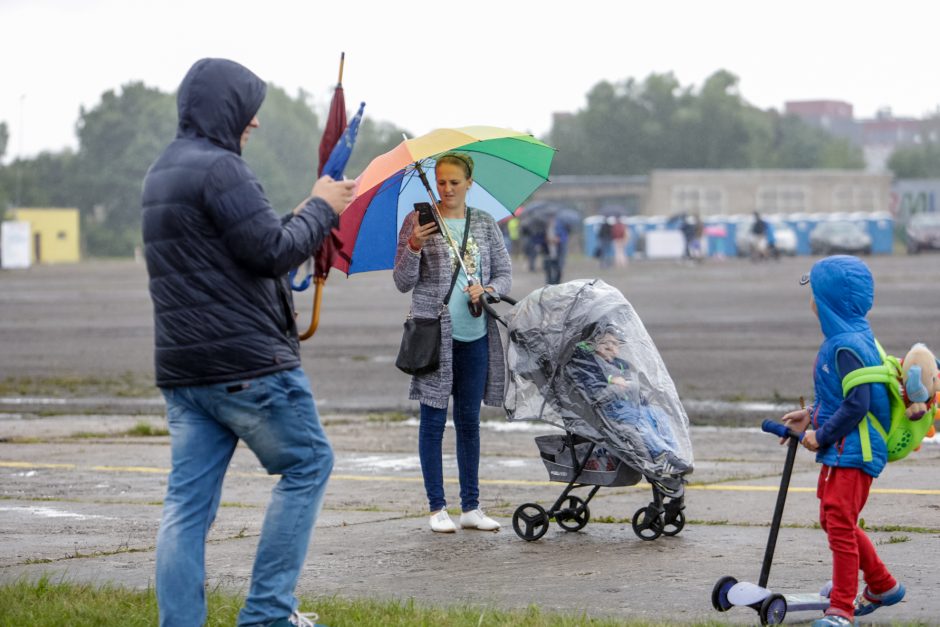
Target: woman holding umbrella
471, 360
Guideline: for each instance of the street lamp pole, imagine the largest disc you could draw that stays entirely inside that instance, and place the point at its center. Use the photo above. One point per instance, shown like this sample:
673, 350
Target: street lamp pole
19, 165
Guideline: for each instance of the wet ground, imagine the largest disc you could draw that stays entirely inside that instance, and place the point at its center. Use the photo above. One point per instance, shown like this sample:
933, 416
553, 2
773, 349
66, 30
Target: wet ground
80, 500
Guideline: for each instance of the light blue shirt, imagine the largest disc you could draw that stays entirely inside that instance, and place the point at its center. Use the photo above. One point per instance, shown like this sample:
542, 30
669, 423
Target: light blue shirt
466, 328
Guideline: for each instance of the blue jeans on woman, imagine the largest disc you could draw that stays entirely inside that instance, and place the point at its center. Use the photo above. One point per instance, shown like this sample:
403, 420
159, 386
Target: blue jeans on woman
277, 418
471, 362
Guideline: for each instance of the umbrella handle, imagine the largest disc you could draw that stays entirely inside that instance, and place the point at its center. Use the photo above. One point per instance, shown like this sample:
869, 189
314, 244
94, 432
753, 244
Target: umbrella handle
315, 316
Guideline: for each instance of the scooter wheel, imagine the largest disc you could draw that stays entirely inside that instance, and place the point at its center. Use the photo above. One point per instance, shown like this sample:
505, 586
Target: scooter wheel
648, 523
773, 610
720, 593
574, 516
530, 521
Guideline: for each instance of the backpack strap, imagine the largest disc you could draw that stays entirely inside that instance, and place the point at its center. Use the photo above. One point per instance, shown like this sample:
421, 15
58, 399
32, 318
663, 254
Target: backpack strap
888, 373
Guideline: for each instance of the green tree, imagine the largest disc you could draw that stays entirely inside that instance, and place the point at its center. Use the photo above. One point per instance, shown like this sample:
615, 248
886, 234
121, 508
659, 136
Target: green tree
921, 161
118, 140
633, 127
283, 152
4, 139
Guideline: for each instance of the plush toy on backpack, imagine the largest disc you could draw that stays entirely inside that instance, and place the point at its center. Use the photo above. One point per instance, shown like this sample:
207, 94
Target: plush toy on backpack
921, 381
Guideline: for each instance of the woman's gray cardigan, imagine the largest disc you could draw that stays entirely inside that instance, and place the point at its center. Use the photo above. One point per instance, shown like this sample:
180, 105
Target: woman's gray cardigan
428, 276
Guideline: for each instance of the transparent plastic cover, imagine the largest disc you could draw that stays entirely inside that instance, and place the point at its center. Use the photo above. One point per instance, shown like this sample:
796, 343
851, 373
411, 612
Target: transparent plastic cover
580, 358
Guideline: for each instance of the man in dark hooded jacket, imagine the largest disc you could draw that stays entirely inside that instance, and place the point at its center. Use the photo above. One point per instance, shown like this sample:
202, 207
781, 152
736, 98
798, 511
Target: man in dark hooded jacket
227, 355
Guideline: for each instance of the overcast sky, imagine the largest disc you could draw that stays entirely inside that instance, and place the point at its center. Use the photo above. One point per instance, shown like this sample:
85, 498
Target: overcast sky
424, 65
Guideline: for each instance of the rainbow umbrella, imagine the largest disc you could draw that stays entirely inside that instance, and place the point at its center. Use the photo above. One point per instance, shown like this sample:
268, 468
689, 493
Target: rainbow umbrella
508, 167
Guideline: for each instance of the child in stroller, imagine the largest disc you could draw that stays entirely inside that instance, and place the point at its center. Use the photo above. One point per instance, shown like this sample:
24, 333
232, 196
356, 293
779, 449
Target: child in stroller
617, 390
569, 366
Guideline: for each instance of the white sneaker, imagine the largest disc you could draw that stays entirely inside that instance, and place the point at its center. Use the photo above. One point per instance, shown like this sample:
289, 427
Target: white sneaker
302, 620
476, 519
441, 522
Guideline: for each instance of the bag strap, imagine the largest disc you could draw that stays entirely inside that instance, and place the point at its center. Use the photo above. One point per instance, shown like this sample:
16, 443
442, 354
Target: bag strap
463, 249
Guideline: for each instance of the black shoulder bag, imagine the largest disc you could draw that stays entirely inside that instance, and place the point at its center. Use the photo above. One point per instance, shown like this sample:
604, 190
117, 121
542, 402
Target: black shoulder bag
420, 351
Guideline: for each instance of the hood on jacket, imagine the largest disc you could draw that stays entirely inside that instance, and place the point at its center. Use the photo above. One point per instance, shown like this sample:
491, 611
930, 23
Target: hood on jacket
216, 100
844, 291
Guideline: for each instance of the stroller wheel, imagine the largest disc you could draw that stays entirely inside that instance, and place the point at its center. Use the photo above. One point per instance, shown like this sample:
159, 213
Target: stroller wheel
648, 522
575, 516
530, 521
673, 524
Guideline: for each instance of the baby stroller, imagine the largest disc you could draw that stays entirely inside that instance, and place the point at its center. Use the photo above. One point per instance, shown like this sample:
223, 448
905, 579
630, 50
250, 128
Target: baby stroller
579, 358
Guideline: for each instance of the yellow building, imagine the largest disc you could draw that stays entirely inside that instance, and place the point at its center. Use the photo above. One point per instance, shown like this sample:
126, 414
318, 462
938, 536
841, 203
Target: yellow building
55, 234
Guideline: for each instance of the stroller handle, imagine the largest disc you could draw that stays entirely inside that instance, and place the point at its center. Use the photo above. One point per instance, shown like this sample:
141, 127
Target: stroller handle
488, 301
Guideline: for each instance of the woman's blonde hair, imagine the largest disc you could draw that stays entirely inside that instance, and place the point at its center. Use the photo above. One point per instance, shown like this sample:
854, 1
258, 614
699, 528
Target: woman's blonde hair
461, 159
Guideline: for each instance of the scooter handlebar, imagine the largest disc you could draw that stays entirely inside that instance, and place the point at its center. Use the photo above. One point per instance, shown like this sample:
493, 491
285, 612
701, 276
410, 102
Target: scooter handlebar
780, 429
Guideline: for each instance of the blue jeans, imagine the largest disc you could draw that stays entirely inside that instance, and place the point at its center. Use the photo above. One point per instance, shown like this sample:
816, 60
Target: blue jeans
471, 362
277, 418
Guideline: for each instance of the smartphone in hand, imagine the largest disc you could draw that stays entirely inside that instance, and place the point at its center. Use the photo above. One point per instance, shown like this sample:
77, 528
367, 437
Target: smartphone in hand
425, 213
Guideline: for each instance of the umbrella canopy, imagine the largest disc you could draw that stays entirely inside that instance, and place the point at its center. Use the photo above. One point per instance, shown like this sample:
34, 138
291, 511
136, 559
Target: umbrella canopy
507, 167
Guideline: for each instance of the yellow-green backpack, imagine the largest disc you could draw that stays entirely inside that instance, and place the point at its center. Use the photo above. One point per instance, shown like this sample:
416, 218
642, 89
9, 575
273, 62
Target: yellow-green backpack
905, 434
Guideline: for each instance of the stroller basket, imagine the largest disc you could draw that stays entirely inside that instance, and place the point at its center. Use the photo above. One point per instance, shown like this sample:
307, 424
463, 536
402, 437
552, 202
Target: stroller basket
556, 455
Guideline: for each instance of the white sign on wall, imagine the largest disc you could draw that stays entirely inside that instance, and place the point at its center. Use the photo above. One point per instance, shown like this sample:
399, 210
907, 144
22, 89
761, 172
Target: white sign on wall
15, 245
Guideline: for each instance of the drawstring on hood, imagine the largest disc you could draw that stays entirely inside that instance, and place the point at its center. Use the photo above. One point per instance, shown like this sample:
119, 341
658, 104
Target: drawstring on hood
216, 100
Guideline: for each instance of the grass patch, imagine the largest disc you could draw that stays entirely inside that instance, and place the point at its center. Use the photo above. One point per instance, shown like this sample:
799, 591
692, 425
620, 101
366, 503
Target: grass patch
51, 603
123, 385
391, 416
145, 429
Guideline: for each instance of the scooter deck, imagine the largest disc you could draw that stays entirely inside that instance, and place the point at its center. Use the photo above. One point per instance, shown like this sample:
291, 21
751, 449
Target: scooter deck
806, 601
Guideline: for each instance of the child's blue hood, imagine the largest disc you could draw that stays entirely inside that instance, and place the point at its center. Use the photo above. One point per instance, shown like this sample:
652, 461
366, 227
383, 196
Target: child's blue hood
844, 291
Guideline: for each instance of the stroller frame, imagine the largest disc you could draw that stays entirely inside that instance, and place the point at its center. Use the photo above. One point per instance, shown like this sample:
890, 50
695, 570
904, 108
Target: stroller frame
663, 516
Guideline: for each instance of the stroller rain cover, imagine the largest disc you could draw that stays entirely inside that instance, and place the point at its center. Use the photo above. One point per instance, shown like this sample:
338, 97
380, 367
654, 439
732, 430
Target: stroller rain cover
556, 334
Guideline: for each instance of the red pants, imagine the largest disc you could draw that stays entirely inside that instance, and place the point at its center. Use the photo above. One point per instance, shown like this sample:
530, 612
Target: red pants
842, 494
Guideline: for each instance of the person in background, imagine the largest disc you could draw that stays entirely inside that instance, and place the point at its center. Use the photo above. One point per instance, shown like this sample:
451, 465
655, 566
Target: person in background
605, 241
758, 238
227, 355
851, 452
515, 246
471, 362
556, 248
621, 238
533, 235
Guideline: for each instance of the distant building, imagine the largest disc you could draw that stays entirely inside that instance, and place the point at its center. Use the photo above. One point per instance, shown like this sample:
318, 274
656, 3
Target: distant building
55, 234
710, 192
878, 137
834, 116
768, 191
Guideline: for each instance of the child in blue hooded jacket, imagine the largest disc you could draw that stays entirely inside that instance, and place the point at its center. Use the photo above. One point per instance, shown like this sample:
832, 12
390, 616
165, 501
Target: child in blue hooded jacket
842, 294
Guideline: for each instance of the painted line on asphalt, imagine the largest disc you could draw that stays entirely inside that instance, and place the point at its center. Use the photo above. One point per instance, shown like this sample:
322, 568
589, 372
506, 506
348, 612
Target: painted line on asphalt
519, 482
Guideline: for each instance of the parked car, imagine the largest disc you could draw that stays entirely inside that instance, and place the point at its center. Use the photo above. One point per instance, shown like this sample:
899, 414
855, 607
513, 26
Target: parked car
839, 237
784, 238
923, 232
